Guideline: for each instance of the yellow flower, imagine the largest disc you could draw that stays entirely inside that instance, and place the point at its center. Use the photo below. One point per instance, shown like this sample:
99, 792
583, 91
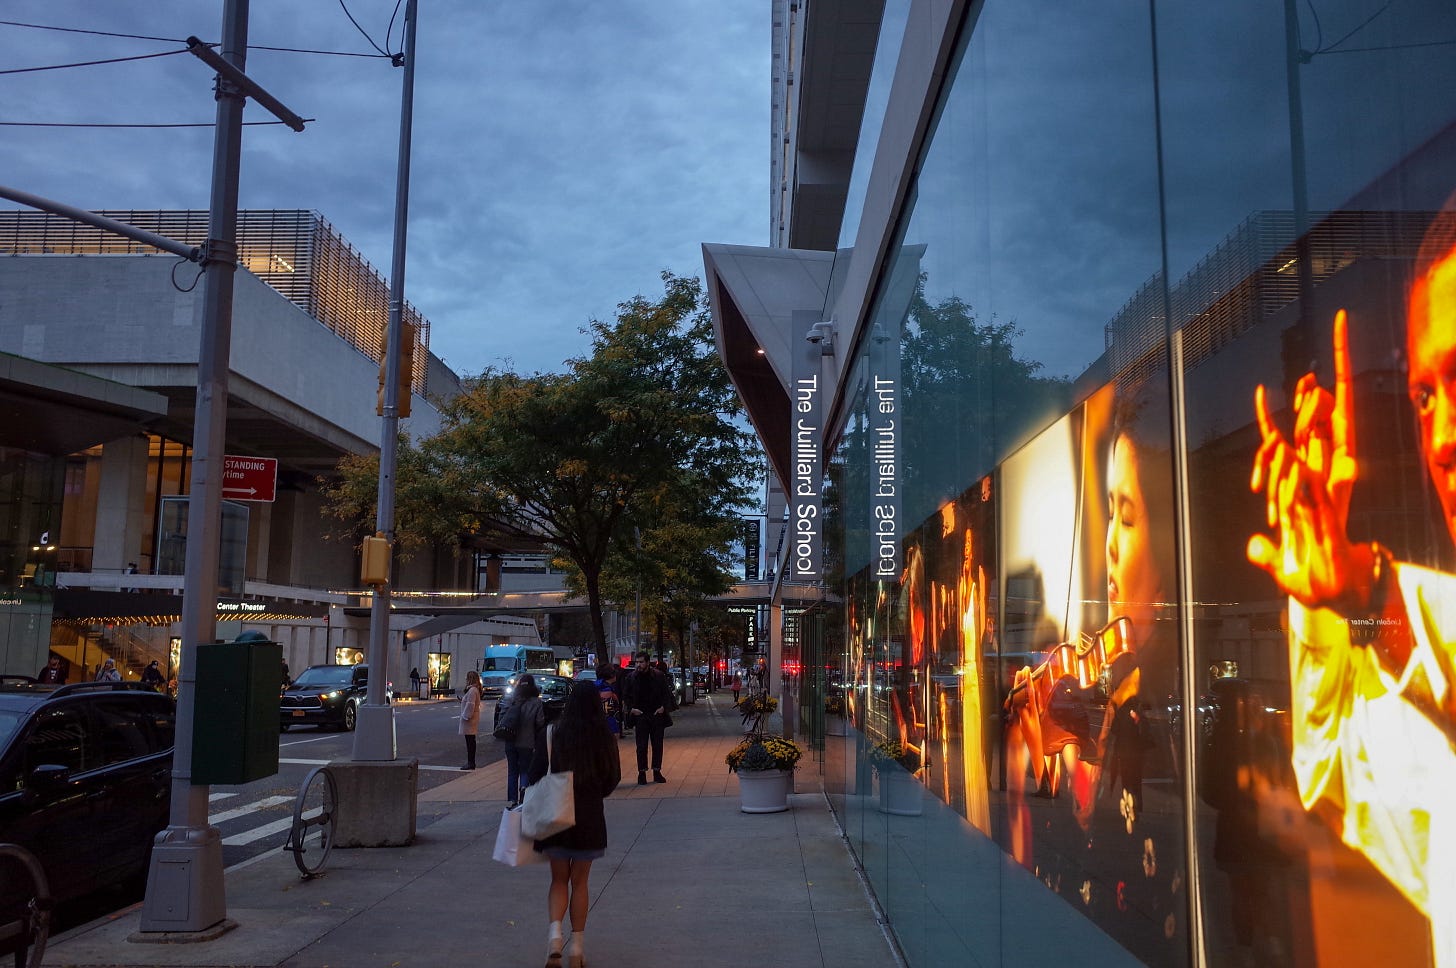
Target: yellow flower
764, 753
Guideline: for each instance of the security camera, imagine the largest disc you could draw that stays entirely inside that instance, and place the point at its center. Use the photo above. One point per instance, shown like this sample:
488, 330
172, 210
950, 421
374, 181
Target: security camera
821, 334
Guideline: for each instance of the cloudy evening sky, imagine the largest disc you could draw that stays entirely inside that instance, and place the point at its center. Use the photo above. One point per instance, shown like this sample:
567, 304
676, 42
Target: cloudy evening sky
564, 154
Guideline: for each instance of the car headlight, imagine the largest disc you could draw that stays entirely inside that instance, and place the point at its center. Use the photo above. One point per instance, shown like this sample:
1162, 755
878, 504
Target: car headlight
330, 695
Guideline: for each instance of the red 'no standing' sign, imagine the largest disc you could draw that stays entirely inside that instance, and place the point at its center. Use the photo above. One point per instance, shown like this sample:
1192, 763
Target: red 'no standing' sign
249, 478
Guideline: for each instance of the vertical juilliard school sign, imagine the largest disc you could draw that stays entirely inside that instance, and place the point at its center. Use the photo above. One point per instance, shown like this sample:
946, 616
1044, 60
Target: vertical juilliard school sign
806, 452
806, 490
883, 405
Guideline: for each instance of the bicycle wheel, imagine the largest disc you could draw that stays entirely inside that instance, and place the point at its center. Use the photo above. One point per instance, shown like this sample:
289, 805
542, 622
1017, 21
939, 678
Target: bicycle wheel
33, 926
312, 836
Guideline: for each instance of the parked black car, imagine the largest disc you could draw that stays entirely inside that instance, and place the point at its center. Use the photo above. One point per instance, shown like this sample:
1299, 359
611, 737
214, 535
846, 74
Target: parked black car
554, 690
325, 695
85, 782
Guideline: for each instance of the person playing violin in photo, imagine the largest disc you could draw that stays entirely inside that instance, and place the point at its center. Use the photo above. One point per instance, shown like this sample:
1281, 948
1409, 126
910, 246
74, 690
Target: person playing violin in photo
1132, 661
1372, 640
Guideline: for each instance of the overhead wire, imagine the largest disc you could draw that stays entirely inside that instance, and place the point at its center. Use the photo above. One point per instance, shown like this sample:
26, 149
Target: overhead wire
183, 40
138, 57
112, 60
361, 30
97, 33
123, 124
1363, 24
1320, 48
389, 31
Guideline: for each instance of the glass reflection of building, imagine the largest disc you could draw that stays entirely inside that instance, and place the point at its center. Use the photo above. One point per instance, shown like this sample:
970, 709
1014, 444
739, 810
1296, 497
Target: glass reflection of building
1097, 234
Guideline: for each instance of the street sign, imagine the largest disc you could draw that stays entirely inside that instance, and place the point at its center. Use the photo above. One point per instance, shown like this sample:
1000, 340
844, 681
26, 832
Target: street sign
249, 478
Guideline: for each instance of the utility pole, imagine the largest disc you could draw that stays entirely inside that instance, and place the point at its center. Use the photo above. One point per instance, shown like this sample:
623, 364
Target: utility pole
374, 738
185, 879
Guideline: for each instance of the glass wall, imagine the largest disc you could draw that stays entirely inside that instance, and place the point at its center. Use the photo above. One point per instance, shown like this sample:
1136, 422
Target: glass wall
1165, 659
31, 486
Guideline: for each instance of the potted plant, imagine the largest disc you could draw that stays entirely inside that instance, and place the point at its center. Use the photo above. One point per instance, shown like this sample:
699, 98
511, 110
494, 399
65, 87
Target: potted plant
898, 767
755, 708
765, 768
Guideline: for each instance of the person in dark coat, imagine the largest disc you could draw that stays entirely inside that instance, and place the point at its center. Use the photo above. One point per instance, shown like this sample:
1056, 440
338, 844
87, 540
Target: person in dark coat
580, 742
152, 677
53, 672
646, 696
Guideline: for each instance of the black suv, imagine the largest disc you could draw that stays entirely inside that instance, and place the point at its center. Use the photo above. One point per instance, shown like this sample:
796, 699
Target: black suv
325, 695
85, 783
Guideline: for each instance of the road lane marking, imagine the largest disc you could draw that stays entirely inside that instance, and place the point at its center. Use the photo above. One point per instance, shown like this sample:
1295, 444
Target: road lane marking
311, 739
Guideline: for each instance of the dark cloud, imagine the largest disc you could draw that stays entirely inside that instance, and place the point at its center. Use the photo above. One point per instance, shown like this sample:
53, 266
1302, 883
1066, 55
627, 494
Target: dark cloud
563, 155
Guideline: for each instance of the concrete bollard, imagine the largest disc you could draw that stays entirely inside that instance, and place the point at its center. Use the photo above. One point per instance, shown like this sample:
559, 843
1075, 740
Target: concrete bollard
378, 802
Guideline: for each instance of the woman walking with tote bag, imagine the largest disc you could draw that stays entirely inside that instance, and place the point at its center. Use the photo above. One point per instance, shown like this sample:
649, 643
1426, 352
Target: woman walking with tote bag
580, 742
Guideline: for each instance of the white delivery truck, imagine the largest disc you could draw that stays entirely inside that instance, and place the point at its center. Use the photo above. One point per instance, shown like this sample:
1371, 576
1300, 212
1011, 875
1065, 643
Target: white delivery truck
503, 663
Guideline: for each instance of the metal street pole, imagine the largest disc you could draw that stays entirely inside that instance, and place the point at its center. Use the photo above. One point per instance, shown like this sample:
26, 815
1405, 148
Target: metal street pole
374, 738
637, 615
184, 881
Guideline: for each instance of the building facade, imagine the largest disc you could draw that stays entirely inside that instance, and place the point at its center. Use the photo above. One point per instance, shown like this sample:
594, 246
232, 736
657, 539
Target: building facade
99, 340
1135, 329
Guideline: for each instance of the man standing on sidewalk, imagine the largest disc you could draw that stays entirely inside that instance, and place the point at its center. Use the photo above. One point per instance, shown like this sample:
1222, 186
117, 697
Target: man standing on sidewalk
645, 696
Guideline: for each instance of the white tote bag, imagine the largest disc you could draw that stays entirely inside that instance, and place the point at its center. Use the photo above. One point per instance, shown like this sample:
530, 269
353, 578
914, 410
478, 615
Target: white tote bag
550, 803
513, 848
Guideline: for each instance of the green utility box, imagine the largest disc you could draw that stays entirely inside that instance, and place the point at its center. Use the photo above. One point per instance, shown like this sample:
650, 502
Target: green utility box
235, 711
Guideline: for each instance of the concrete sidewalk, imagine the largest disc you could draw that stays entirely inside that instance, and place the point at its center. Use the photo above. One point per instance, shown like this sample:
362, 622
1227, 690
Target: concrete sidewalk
687, 878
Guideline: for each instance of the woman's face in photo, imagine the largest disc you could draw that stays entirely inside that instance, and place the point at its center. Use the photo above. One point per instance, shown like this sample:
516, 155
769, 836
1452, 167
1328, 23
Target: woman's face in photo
1133, 586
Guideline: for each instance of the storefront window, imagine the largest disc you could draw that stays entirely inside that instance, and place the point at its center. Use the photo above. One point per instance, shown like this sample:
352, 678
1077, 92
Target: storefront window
1167, 633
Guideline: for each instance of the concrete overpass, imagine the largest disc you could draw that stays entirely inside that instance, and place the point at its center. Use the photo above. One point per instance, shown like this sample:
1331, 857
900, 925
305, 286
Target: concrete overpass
449, 612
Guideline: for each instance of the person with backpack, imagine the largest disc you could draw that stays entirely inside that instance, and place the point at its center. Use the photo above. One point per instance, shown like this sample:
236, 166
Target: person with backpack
470, 716
522, 730
606, 684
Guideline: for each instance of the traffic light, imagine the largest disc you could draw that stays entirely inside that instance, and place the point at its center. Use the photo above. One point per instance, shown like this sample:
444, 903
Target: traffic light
406, 371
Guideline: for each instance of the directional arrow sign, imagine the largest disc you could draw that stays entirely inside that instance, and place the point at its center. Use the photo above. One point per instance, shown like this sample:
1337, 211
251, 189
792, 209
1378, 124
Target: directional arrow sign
249, 478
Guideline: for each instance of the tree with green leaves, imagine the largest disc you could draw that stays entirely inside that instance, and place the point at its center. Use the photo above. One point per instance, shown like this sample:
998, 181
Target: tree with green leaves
968, 396
640, 435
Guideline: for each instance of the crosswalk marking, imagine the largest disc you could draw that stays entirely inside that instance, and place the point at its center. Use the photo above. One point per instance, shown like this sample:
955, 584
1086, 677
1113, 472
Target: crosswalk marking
282, 824
262, 804
258, 833
423, 766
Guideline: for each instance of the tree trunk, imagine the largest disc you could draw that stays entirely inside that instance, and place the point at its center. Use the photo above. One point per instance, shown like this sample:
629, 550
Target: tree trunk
591, 578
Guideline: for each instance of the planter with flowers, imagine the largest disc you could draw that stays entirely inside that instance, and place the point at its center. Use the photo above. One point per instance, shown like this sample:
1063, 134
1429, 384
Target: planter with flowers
898, 768
764, 764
